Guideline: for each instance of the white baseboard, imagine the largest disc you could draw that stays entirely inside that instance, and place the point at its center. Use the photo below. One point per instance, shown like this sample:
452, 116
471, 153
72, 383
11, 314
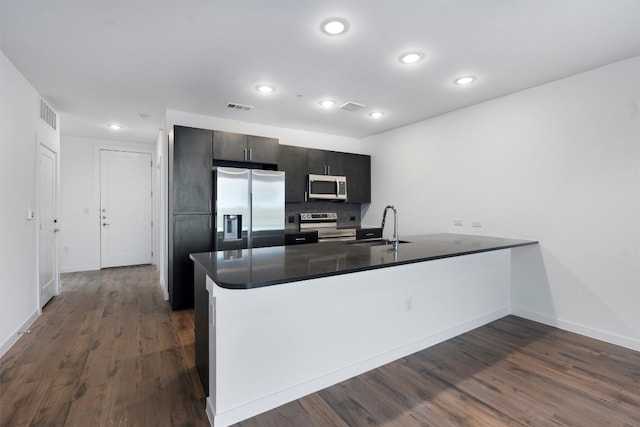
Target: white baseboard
290, 394
165, 291
16, 336
611, 338
79, 268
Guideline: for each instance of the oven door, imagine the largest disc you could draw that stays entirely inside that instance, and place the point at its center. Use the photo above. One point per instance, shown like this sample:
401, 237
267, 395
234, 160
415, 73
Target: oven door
336, 235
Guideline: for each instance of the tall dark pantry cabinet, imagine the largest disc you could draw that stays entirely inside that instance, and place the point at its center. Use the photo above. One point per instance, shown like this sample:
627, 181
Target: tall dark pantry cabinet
190, 208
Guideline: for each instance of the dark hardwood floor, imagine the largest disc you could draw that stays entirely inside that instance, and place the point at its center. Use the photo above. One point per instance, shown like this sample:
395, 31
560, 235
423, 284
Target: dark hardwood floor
109, 352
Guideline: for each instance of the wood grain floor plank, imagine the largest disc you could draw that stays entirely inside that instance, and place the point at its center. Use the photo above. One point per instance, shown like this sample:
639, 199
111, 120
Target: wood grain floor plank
320, 412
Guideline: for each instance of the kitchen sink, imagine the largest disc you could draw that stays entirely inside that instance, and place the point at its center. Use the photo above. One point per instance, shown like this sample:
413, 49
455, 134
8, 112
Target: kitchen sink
375, 242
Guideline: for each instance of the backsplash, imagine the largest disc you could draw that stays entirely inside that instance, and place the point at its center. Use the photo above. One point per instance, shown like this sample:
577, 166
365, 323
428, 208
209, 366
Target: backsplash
345, 212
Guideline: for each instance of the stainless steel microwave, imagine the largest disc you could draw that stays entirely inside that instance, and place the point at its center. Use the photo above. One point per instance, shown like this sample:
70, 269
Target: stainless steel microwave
327, 187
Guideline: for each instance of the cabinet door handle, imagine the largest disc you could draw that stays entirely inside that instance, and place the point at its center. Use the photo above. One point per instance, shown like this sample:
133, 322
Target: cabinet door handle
245, 154
250, 154
301, 239
328, 169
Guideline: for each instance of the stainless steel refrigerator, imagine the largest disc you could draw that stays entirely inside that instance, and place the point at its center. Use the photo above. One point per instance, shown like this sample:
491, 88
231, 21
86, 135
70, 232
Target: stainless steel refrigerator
249, 208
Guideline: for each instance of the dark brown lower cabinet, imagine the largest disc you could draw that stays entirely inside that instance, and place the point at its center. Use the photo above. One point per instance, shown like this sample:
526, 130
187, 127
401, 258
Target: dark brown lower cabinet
201, 321
191, 234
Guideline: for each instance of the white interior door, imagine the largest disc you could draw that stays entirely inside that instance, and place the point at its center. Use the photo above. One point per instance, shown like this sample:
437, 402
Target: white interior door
46, 214
125, 208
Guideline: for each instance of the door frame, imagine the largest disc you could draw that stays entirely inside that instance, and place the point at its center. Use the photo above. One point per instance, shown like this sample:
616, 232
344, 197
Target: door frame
43, 144
130, 148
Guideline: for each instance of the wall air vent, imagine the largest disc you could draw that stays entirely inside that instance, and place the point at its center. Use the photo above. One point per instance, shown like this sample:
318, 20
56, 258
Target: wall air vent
235, 106
48, 115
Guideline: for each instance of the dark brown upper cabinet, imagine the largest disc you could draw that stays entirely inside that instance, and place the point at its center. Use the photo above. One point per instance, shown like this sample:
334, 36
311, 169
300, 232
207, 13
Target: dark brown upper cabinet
323, 162
293, 160
238, 147
190, 176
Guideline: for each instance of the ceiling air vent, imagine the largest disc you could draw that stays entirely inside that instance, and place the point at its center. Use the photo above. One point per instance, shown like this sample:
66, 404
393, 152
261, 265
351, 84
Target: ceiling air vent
47, 114
351, 106
241, 107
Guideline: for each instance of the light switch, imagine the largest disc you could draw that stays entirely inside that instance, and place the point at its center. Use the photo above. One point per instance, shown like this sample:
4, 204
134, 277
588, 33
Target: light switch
458, 222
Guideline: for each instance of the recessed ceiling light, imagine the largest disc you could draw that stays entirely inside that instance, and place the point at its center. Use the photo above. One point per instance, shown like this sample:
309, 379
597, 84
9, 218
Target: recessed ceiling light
327, 103
265, 88
411, 57
376, 114
114, 126
464, 80
334, 26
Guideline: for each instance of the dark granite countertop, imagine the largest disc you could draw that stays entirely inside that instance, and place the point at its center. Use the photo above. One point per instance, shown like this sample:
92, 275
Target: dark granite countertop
254, 268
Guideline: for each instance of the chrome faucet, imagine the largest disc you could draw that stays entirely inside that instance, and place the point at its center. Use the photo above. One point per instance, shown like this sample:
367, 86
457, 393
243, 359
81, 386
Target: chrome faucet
395, 224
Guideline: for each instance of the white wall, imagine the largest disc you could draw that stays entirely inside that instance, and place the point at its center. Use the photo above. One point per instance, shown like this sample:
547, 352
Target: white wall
559, 163
20, 130
80, 199
286, 136
162, 210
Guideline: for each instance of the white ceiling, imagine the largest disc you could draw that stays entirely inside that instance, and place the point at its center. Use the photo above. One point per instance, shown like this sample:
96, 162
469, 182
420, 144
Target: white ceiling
98, 62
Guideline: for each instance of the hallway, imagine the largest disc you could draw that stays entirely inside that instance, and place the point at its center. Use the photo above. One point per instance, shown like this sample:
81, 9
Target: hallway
107, 351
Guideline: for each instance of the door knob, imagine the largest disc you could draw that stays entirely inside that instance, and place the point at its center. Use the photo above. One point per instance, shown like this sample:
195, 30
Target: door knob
104, 224
55, 230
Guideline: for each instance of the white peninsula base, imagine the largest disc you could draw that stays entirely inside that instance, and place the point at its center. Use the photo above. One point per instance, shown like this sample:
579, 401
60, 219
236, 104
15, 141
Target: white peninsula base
274, 344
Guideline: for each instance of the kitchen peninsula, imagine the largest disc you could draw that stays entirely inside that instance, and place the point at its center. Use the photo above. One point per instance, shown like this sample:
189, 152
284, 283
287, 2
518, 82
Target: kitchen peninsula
283, 322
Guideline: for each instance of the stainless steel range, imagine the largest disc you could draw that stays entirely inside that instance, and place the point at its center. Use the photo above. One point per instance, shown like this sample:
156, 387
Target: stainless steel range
326, 223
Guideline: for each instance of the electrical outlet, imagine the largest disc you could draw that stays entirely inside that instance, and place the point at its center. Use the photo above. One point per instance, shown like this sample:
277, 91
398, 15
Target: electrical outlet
292, 219
408, 304
458, 222
353, 218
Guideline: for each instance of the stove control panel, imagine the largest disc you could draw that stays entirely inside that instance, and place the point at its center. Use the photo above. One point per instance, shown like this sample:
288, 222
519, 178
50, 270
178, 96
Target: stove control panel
318, 217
